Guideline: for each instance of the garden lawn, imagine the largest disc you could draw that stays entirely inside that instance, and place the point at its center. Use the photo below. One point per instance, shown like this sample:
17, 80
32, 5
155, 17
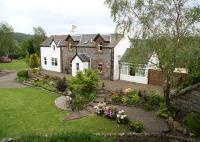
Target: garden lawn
27, 111
15, 65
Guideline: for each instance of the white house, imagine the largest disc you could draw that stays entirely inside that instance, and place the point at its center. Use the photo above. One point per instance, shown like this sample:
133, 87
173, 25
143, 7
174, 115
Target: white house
137, 72
80, 62
50, 57
79, 52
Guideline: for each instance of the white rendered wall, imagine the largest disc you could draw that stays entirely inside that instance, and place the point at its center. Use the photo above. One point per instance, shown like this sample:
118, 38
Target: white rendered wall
137, 79
49, 53
82, 65
119, 50
153, 62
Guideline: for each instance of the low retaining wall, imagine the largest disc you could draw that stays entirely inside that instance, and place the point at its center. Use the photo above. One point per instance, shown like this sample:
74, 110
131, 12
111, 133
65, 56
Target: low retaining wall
188, 99
136, 137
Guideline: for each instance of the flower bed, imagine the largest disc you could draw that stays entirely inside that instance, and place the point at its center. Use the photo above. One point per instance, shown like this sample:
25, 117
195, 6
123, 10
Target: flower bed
46, 82
130, 97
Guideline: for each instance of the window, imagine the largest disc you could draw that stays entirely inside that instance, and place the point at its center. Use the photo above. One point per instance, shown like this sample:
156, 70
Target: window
124, 69
45, 60
54, 61
131, 71
54, 47
70, 46
140, 72
77, 66
100, 67
100, 46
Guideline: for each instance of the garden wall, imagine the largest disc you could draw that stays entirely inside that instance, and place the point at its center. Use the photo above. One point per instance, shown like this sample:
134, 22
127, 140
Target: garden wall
136, 137
188, 99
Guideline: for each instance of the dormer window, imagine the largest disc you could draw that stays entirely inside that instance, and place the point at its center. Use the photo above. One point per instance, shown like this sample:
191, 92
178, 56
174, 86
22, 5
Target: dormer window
100, 46
54, 47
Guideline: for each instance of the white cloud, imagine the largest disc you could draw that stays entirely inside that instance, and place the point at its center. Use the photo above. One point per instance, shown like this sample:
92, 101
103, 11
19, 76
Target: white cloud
57, 16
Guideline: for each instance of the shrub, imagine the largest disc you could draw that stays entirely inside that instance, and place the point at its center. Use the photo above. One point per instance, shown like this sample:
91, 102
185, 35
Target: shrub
152, 100
67, 137
136, 126
135, 99
78, 102
116, 98
85, 82
23, 73
61, 85
34, 61
164, 111
192, 122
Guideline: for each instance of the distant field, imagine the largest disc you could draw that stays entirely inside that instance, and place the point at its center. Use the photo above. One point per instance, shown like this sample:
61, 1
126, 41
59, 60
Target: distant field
27, 111
15, 65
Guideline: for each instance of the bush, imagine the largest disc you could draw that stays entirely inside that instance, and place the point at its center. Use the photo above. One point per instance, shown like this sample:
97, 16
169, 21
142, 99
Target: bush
85, 82
23, 73
34, 61
136, 126
116, 98
192, 121
61, 85
152, 100
68, 137
164, 111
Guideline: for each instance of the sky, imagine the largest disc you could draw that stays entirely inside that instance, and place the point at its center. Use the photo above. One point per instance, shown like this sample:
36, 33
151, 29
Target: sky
57, 16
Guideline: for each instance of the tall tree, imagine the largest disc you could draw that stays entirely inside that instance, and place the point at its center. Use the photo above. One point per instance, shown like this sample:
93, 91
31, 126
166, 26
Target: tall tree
38, 37
7, 40
169, 27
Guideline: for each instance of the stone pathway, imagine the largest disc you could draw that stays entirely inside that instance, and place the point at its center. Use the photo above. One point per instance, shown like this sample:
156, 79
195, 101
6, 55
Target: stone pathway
8, 81
151, 122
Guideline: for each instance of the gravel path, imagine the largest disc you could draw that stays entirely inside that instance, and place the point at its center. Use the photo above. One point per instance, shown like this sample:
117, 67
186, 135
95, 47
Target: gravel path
8, 81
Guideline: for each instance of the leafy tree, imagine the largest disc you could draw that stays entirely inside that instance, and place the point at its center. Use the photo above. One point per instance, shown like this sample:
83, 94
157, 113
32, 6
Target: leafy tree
169, 27
38, 37
7, 40
26, 47
34, 61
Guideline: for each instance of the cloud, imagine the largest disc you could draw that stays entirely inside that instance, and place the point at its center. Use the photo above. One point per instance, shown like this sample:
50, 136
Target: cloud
57, 16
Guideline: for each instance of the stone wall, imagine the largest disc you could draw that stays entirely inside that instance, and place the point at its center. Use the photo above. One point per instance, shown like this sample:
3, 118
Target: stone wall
136, 137
188, 99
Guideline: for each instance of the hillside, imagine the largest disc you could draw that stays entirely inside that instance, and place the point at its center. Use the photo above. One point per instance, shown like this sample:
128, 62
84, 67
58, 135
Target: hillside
21, 36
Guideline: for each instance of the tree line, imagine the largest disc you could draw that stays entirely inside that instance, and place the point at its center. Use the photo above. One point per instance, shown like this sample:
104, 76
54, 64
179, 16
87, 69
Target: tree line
18, 45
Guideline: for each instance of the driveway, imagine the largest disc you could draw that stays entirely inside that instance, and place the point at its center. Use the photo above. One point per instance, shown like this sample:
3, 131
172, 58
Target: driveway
8, 81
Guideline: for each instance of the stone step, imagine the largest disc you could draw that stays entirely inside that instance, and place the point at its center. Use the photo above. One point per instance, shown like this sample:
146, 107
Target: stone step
72, 116
99, 100
33, 79
27, 84
90, 109
101, 95
84, 113
28, 81
92, 104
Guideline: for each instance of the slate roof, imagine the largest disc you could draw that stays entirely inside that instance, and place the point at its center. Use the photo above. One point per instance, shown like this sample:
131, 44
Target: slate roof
83, 57
58, 39
86, 40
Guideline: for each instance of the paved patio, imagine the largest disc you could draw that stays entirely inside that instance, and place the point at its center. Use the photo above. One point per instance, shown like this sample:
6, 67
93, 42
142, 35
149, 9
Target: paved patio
119, 84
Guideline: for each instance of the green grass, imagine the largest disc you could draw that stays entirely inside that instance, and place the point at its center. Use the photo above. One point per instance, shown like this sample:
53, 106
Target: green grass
14, 65
26, 111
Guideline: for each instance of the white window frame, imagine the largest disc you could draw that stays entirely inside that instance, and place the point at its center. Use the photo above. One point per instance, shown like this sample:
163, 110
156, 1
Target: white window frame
45, 60
54, 61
